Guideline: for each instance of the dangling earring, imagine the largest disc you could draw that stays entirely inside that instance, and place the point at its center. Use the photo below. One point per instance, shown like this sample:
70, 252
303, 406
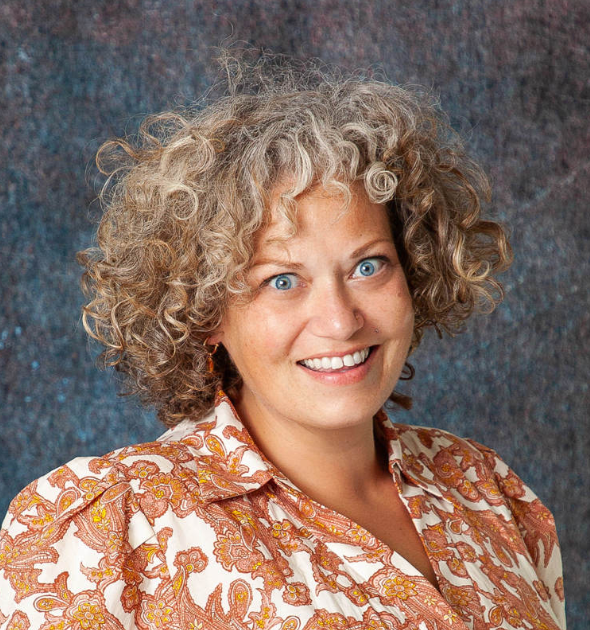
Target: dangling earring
210, 353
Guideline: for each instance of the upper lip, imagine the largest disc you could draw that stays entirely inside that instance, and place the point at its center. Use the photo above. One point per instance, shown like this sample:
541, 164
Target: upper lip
332, 355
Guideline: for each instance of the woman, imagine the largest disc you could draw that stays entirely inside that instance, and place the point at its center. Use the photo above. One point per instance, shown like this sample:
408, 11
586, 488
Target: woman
265, 266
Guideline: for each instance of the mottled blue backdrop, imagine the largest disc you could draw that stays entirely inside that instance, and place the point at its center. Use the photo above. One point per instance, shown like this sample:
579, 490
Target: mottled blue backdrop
515, 77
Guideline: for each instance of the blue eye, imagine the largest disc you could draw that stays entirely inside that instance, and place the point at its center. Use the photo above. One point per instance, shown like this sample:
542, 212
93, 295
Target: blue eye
283, 282
369, 266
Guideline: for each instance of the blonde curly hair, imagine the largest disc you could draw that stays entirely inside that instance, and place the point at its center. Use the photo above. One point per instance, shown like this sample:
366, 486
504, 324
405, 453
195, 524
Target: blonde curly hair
185, 199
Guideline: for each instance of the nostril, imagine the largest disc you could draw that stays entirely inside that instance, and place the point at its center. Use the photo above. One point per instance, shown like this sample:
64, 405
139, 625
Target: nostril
334, 315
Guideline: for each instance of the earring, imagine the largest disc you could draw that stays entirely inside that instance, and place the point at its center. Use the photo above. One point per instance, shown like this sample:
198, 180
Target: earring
210, 353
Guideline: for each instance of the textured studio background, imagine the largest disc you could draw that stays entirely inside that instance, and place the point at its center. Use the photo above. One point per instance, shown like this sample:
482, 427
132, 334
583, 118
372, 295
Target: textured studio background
514, 76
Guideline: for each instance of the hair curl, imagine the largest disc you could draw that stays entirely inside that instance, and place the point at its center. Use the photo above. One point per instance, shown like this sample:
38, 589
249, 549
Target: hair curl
185, 199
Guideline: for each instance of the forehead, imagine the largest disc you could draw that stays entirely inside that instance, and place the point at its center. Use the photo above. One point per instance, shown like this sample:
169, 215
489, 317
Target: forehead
322, 213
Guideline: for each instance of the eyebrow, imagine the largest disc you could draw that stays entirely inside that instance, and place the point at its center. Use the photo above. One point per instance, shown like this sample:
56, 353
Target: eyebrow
278, 262
283, 262
364, 248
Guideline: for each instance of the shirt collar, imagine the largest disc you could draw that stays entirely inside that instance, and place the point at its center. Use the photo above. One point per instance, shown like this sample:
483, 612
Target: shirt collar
229, 463
407, 453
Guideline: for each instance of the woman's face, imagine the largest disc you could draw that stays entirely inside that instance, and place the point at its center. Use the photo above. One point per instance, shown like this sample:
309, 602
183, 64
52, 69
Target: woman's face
324, 340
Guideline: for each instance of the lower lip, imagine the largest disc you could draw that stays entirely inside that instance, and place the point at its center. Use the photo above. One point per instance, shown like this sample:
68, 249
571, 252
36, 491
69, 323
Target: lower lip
345, 377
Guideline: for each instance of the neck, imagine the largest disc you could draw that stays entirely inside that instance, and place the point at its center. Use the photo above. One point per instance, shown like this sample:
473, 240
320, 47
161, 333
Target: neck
326, 463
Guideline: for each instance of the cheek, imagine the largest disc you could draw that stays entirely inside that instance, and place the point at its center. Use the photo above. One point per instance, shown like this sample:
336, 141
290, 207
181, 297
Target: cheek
395, 310
255, 336
276, 331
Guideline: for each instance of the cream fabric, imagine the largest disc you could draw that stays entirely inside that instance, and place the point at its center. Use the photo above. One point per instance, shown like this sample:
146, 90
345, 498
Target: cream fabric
199, 530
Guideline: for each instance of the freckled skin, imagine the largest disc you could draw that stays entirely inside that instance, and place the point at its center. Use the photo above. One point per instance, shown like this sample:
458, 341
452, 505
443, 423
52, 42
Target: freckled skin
330, 309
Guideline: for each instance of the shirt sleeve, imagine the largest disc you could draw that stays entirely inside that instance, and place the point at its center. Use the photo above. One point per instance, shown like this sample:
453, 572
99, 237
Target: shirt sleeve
77, 552
537, 527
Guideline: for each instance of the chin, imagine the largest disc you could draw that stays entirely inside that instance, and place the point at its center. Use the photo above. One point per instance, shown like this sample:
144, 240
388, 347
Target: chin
345, 411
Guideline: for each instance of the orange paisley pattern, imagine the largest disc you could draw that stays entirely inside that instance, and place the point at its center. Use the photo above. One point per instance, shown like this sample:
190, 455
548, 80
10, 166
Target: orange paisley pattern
198, 531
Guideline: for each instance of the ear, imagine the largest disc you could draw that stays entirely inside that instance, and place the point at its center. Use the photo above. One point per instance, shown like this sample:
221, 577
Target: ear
215, 337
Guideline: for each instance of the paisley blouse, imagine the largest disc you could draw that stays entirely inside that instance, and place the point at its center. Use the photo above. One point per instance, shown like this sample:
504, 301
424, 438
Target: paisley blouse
198, 530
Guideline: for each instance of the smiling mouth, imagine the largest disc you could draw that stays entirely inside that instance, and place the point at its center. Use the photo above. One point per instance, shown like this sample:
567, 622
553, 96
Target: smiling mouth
337, 364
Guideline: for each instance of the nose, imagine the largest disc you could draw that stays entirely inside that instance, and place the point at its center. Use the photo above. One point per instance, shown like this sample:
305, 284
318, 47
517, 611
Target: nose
334, 313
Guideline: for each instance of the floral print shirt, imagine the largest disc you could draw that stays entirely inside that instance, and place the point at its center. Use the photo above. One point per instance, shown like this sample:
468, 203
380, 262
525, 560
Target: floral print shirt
198, 530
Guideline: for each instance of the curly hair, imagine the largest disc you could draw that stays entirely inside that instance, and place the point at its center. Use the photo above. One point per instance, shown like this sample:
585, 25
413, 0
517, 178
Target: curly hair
185, 199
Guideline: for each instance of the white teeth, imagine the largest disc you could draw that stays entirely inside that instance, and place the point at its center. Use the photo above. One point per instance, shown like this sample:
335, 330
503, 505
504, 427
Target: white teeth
337, 363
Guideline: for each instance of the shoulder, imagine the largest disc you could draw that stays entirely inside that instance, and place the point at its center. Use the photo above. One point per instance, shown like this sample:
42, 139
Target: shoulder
431, 443
91, 524
115, 477
458, 464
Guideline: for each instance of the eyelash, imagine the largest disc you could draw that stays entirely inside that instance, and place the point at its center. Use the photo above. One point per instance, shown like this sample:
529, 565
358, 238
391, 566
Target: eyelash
382, 259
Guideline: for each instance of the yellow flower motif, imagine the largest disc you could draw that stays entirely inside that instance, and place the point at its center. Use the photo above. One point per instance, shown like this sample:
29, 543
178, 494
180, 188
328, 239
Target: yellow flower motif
98, 513
243, 519
491, 488
273, 578
359, 597
22, 586
88, 615
47, 533
430, 601
115, 541
358, 534
514, 618
400, 588
45, 604
204, 475
279, 528
455, 563
331, 621
451, 617
46, 518
334, 530
265, 614
8, 555
159, 614
19, 623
